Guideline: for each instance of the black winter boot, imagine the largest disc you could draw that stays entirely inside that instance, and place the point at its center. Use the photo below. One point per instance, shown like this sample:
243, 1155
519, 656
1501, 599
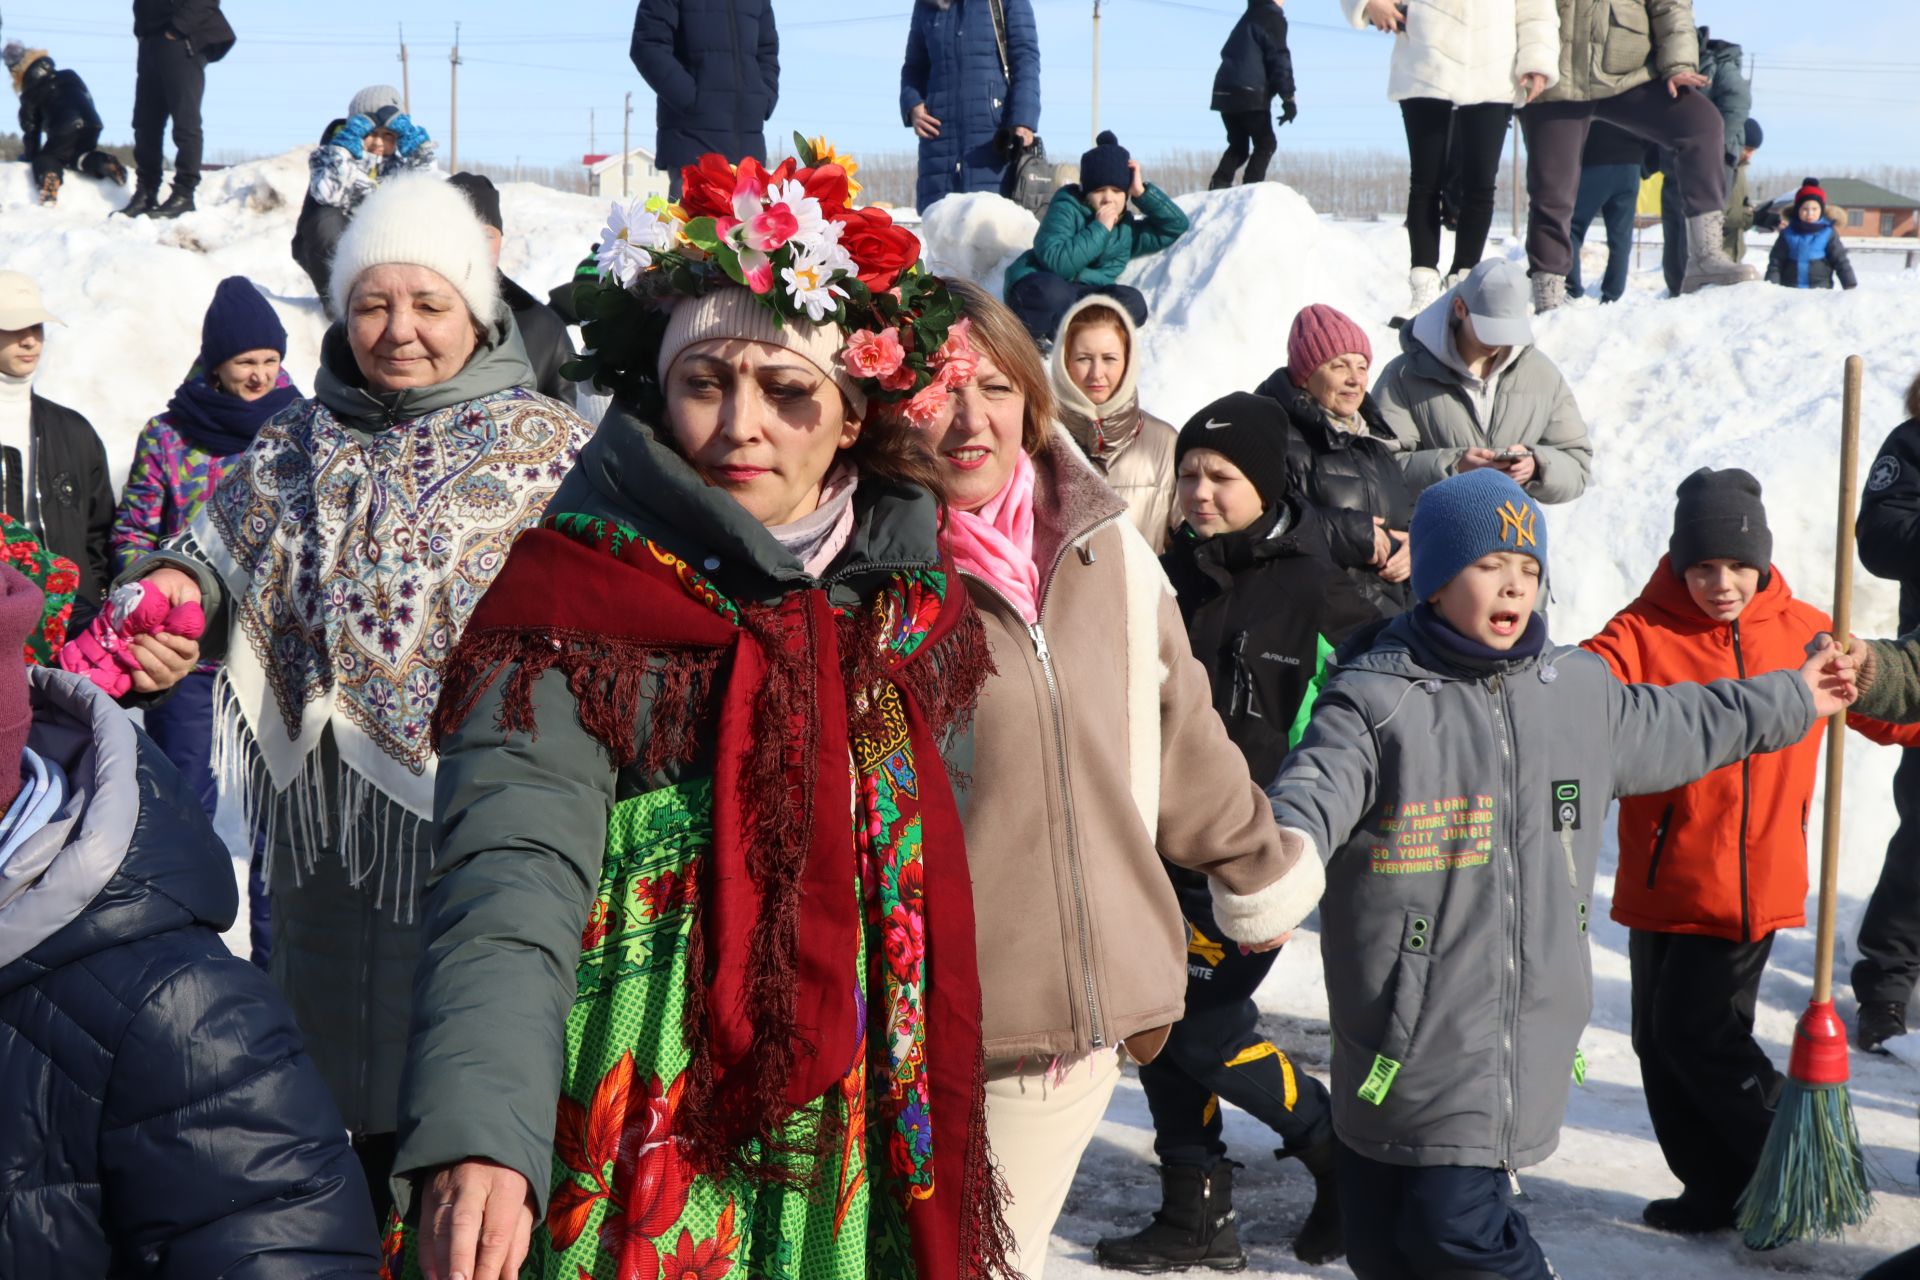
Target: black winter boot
1687, 1215
1321, 1238
1879, 1021
177, 203
145, 201
1194, 1227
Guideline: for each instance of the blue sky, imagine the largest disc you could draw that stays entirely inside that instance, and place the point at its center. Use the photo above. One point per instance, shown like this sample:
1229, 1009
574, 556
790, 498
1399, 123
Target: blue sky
1835, 84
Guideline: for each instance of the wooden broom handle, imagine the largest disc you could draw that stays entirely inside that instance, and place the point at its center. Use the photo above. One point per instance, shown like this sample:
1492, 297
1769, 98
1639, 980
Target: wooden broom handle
1842, 632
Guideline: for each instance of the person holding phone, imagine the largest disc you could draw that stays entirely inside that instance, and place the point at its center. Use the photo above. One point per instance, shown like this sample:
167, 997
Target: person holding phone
1469, 390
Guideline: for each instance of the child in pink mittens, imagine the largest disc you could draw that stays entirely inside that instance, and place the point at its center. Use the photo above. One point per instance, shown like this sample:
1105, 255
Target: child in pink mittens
103, 653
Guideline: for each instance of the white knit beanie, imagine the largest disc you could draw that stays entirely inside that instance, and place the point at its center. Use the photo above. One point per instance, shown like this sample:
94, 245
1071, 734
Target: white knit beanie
736, 313
417, 220
372, 98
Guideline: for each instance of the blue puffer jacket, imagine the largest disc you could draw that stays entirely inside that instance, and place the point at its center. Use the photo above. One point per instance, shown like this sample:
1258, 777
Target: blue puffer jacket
1810, 257
953, 66
1074, 245
714, 68
158, 1117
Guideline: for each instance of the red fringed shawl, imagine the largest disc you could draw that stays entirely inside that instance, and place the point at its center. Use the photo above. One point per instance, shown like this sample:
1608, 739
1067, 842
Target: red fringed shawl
782, 691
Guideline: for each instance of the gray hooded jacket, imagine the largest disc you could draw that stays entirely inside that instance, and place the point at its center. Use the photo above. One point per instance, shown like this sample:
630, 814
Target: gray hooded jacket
1436, 412
1461, 812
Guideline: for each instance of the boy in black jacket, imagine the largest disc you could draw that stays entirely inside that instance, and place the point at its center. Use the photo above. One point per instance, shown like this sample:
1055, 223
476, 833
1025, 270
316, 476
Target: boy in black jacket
59, 126
1263, 613
1255, 68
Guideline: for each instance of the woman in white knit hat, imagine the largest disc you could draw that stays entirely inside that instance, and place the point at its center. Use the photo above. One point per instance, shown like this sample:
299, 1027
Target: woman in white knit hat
697, 836
338, 562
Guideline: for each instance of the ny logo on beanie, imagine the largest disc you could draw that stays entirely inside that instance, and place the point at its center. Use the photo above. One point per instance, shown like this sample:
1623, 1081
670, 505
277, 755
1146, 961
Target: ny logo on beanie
1518, 521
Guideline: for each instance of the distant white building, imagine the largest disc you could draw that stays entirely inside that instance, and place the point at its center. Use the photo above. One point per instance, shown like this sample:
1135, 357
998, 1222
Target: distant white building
633, 176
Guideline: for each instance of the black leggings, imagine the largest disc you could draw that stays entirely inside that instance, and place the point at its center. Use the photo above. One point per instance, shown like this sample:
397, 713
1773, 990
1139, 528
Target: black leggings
1250, 141
1457, 150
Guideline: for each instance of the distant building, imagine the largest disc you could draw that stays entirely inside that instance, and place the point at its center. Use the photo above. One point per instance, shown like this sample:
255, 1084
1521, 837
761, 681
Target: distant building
1858, 209
633, 176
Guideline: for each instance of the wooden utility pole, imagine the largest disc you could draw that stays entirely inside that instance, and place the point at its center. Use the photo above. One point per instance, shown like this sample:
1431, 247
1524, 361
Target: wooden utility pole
626, 151
453, 130
1096, 69
406, 80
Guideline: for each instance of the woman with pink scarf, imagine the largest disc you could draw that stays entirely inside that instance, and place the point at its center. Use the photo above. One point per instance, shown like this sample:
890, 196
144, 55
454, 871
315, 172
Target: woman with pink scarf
1096, 754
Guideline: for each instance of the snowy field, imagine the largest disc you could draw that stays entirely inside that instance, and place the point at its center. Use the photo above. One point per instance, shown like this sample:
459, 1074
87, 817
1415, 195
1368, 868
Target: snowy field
1747, 376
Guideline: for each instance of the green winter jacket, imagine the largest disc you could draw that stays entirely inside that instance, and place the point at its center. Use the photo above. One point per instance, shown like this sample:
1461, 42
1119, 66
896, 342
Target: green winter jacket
523, 818
1073, 245
1890, 684
1610, 46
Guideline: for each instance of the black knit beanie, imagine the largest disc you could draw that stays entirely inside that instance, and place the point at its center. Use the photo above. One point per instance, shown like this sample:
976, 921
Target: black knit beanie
1105, 165
1249, 431
1719, 516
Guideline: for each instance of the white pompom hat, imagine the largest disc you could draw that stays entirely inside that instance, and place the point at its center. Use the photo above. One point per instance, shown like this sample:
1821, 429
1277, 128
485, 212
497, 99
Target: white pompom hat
418, 220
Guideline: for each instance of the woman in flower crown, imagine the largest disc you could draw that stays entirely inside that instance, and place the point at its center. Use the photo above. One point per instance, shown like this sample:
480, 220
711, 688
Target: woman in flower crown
698, 844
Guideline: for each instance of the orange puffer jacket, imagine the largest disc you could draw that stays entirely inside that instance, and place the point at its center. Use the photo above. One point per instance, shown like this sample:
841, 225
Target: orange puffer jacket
1727, 856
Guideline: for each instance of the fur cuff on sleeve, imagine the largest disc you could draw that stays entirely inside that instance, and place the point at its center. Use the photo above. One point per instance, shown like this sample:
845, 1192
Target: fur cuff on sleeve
1279, 908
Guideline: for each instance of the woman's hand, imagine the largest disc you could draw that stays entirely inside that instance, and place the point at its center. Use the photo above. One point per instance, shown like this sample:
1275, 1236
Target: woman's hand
1138, 187
1533, 84
1273, 944
1685, 80
1830, 674
1384, 15
924, 122
476, 1222
165, 659
1382, 544
1399, 566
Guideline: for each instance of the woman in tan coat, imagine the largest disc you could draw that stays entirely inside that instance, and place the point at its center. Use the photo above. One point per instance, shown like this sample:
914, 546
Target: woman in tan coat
1097, 753
1095, 376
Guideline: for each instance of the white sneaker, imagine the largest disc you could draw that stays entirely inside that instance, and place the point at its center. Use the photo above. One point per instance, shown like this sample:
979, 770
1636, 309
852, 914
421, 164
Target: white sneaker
1424, 282
1456, 279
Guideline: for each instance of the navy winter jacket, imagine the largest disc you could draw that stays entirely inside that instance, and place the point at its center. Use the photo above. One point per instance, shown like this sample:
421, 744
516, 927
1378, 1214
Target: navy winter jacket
1255, 65
158, 1116
953, 66
714, 68
1810, 257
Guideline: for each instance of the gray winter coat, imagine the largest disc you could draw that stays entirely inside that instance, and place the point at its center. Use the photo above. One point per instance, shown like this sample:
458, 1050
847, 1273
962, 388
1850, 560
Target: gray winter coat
1424, 395
1464, 811
1610, 46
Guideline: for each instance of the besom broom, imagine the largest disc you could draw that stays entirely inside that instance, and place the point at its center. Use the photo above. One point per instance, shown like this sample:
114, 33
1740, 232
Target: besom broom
1812, 1179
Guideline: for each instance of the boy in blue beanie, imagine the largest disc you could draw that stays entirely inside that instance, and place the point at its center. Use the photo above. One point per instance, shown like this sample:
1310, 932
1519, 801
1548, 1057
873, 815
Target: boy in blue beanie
1456, 776
1088, 238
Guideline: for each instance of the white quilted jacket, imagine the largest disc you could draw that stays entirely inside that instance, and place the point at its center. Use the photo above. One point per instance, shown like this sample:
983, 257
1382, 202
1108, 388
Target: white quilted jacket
1468, 51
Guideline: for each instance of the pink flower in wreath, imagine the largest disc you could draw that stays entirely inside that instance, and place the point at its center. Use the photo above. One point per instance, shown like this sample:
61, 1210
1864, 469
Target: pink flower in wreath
927, 404
901, 379
874, 355
956, 359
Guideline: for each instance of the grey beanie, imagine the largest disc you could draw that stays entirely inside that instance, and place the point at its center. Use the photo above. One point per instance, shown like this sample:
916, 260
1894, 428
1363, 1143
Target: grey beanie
1719, 516
372, 99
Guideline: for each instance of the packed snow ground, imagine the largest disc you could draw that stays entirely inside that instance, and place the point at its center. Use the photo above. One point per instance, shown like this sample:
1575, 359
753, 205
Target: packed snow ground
1747, 376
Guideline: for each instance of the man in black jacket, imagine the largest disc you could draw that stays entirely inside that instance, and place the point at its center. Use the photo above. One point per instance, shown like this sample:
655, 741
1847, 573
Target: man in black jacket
714, 68
1888, 533
1255, 68
541, 330
178, 38
158, 1114
59, 126
53, 468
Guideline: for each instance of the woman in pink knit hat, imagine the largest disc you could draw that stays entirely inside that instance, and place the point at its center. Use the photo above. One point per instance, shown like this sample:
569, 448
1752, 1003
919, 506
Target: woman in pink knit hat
1341, 457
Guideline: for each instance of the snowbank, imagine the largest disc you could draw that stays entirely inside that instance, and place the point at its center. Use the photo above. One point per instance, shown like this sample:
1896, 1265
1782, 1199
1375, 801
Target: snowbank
1746, 376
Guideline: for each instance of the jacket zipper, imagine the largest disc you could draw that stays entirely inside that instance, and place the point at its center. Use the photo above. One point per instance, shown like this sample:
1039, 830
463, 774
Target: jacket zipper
1080, 924
733, 30
1746, 798
1510, 976
1241, 698
1659, 843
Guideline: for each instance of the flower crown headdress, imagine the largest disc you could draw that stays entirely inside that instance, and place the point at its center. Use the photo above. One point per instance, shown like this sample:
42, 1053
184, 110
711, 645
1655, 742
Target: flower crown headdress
791, 237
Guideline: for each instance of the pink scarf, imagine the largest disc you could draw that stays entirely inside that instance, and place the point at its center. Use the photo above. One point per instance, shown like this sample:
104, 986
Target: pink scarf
995, 543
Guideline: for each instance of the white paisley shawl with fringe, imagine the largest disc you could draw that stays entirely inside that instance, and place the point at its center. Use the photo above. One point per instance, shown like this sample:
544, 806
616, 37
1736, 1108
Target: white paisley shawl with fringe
351, 568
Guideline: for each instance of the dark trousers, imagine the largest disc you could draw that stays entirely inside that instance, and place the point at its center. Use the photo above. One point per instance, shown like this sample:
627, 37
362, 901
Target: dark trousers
314, 240
376, 1152
1610, 192
71, 149
1711, 1091
1904, 1266
1043, 297
1250, 141
1435, 1223
170, 81
1890, 931
1454, 150
1557, 131
182, 727
1216, 1053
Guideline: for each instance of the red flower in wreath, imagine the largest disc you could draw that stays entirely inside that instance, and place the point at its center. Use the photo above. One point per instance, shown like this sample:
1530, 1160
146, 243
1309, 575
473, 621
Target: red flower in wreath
881, 249
706, 188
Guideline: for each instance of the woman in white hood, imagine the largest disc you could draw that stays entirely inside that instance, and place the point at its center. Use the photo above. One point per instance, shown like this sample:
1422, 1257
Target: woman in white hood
1096, 376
